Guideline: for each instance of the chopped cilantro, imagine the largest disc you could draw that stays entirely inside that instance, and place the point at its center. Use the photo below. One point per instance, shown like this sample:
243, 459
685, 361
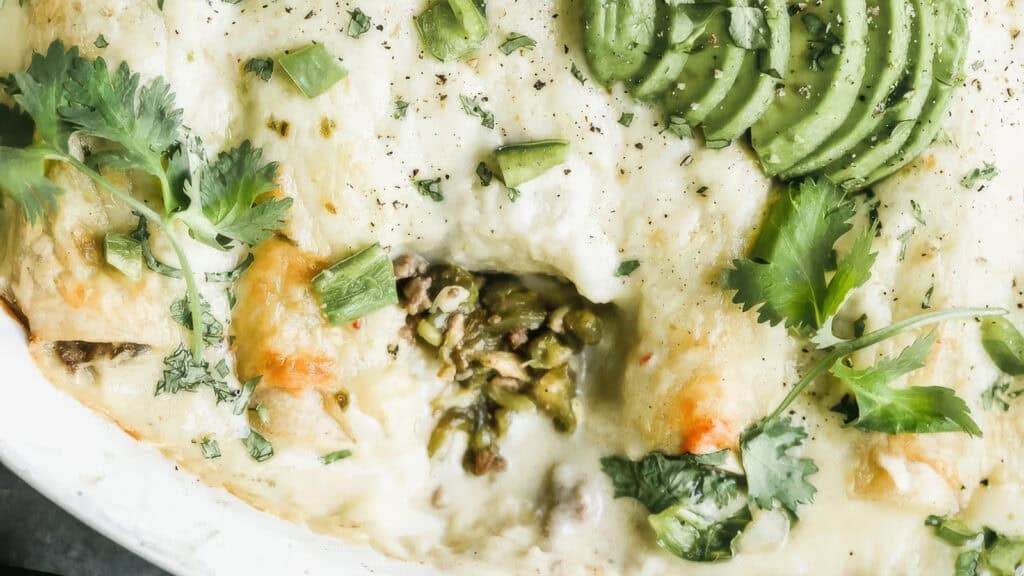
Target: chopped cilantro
627, 267
213, 330
401, 109
333, 457
431, 188
101, 42
577, 74
515, 42
472, 107
484, 173
678, 127
358, 24
262, 68
987, 172
999, 395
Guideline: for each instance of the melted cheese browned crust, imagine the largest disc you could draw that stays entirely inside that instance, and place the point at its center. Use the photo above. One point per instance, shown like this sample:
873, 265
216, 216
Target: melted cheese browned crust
696, 373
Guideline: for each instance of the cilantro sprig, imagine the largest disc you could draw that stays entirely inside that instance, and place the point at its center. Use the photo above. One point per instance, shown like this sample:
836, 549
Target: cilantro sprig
140, 129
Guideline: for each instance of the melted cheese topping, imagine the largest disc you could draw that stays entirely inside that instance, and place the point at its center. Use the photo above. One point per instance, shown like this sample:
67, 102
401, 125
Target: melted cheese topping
694, 373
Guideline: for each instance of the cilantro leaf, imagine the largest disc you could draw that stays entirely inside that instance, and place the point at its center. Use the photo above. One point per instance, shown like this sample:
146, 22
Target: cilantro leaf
231, 191
773, 474
918, 409
785, 273
473, 107
209, 447
183, 373
693, 536
23, 178
627, 267
516, 41
659, 481
1004, 344
43, 92
358, 24
143, 122
213, 330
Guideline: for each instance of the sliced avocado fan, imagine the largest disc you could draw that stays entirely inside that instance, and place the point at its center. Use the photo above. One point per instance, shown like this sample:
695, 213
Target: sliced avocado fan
618, 36
903, 107
679, 39
711, 69
825, 72
759, 74
888, 41
950, 56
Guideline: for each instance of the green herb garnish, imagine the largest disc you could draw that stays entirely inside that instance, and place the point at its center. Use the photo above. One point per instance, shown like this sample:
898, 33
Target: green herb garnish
335, 456
101, 42
212, 329
515, 42
626, 119
472, 107
209, 447
262, 68
627, 267
401, 108
484, 173
431, 188
987, 172
358, 23
259, 448
242, 402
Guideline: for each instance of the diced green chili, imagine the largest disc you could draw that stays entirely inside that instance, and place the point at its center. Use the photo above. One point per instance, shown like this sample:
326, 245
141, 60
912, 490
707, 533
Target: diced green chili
452, 29
585, 325
123, 253
554, 393
547, 352
356, 286
519, 163
312, 69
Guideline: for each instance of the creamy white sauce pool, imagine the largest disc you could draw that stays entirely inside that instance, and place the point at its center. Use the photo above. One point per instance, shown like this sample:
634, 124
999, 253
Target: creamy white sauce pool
625, 192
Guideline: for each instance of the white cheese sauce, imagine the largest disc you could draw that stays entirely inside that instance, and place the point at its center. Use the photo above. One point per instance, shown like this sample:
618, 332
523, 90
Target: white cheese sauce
695, 371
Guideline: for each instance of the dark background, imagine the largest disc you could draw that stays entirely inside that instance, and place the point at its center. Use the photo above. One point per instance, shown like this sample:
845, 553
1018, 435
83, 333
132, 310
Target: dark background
37, 535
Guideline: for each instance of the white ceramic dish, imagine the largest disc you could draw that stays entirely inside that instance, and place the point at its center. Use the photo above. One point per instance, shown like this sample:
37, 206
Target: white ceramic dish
131, 493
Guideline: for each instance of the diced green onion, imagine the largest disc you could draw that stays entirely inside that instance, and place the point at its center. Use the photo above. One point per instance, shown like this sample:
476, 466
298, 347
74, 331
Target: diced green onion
335, 456
263, 413
452, 29
242, 402
209, 447
123, 253
312, 69
356, 286
258, 446
519, 163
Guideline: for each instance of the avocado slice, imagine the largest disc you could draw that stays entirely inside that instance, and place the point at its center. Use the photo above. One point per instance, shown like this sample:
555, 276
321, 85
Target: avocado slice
679, 42
888, 42
824, 73
618, 36
755, 84
903, 107
710, 70
950, 55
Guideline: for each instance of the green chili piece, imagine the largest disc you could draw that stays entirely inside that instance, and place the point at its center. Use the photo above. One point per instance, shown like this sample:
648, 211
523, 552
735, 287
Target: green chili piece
554, 393
452, 29
547, 352
509, 399
356, 286
123, 253
520, 163
585, 325
312, 69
